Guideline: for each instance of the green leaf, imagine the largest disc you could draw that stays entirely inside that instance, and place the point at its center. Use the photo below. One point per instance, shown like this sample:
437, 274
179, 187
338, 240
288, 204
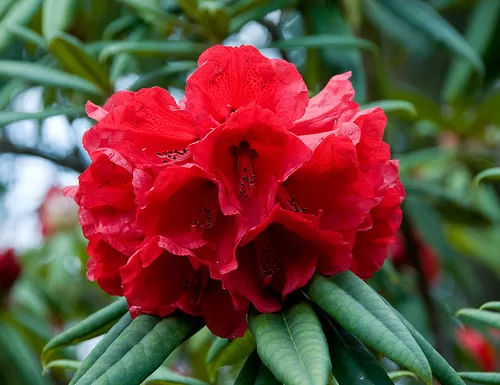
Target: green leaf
249, 371
171, 69
352, 363
324, 41
393, 106
482, 317
494, 306
353, 12
489, 174
265, 377
20, 13
118, 26
7, 117
43, 75
57, 16
62, 364
479, 34
94, 325
102, 346
70, 53
355, 306
399, 374
258, 13
481, 378
230, 353
26, 34
122, 62
425, 18
151, 48
139, 351
440, 367
292, 345
427, 108
169, 377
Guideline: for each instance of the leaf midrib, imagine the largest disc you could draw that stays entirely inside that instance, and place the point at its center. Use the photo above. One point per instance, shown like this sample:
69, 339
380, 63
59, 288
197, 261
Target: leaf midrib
294, 345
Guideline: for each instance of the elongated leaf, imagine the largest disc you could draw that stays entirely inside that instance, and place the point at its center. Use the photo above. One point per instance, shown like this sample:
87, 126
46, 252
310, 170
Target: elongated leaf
229, 354
482, 317
172, 69
427, 108
292, 345
390, 106
481, 378
57, 16
324, 41
265, 377
139, 351
168, 377
352, 363
489, 174
118, 26
19, 356
479, 33
215, 348
424, 17
94, 325
161, 49
44, 75
19, 13
249, 371
122, 62
257, 14
399, 374
26, 34
355, 306
494, 305
440, 367
102, 346
70, 53
7, 117
62, 364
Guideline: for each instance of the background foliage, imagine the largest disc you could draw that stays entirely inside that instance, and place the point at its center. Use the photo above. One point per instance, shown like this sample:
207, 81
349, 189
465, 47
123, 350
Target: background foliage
432, 64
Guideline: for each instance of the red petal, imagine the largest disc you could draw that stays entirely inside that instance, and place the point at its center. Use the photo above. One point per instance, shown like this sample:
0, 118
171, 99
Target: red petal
229, 78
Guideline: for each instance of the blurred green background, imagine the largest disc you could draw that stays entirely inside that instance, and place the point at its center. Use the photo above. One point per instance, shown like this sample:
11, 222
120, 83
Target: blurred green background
434, 65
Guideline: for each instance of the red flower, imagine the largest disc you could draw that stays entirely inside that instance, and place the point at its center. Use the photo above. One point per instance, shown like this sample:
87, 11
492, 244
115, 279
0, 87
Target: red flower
10, 269
477, 347
162, 277
238, 194
57, 212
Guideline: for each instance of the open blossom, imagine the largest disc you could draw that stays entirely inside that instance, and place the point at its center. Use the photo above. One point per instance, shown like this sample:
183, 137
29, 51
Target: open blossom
477, 347
10, 269
238, 194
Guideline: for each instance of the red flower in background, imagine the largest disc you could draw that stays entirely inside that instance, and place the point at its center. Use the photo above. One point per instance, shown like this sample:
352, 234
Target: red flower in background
10, 269
239, 194
475, 345
57, 212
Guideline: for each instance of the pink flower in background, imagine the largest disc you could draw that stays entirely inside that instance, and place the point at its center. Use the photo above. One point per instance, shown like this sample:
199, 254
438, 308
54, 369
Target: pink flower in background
57, 212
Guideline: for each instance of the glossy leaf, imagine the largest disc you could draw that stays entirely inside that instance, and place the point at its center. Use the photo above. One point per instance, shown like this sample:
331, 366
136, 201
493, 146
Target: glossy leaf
57, 16
102, 346
355, 306
479, 34
172, 69
399, 374
165, 376
70, 53
494, 306
257, 13
482, 317
265, 377
481, 378
26, 34
324, 41
217, 345
150, 48
62, 364
7, 117
352, 363
393, 106
429, 21
19, 13
248, 372
44, 75
94, 325
139, 351
492, 174
292, 345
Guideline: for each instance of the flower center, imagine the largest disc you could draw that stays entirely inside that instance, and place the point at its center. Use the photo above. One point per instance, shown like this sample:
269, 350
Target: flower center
244, 155
206, 215
266, 257
287, 202
174, 156
195, 286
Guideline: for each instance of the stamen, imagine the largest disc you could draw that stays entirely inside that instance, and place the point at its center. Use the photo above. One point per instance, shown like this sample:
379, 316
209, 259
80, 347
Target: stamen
174, 156
287, 202
207, 214
244, 156
266, 258
195, 286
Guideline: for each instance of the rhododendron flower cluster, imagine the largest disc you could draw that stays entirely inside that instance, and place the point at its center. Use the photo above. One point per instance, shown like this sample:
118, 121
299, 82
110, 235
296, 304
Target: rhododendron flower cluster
477, 347
238, 194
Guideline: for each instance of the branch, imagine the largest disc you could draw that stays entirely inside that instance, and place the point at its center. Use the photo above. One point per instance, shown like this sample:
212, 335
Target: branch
275, 33
72, 161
